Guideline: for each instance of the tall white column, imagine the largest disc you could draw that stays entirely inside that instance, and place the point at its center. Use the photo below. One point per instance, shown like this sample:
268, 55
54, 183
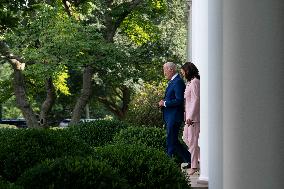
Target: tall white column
253, 84
200, 59
189, 31
246, 90
215, 93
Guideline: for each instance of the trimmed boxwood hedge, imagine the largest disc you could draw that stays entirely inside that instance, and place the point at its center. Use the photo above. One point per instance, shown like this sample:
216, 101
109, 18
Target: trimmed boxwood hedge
32, 152
21, 149
7, 185
72, 173
97, 133
152, 137
143, 167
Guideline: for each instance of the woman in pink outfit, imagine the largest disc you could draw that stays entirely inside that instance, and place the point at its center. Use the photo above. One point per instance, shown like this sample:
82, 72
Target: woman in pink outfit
192, 113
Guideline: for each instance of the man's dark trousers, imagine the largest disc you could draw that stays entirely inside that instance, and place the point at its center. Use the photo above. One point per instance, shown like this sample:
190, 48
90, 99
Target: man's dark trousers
174, 145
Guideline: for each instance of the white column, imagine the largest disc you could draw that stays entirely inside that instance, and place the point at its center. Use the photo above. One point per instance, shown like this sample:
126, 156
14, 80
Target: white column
253, 84
215, 94
200, 59
246, 90
189, 31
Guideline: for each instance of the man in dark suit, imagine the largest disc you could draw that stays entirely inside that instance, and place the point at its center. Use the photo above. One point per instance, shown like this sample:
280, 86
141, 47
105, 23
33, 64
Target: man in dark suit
173, 112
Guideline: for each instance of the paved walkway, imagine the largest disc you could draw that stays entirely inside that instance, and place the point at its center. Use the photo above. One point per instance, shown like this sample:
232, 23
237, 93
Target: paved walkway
193, 180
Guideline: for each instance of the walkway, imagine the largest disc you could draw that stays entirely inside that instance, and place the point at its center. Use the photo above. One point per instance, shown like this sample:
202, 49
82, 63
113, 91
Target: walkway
193, 180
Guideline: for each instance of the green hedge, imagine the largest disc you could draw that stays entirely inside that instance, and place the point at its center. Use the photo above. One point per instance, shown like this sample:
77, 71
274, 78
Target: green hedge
152, 137
21, 149
7, 185
143, 167
72, 173
97, 133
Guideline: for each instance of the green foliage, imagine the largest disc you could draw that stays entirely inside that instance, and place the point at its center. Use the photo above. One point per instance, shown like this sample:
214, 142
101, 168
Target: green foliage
21, 149
97, 133
7, 185
56, 159
8, 13
10, 109
152, 137
72, 172
139, 32
52, 41
143, 167
141, 24
60, 81
55, 45
4, 184
6, 90
143, 109
174, 31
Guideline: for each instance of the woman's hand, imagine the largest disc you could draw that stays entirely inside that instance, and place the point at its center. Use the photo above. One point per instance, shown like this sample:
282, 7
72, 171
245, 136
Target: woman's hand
189, 122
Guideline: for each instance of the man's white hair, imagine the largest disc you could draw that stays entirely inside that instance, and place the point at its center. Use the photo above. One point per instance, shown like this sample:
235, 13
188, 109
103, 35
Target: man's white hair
171, 65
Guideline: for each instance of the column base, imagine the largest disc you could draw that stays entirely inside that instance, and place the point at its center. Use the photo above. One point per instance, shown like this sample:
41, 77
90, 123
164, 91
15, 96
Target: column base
203, 181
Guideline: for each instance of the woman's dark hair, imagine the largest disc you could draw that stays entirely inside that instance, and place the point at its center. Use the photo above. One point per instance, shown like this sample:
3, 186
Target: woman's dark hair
190, 71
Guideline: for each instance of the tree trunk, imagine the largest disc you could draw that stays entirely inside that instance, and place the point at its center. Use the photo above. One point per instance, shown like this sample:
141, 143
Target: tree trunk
19, 85
48, 103
125, 100
21, 99
87, 111
111, 27
85, 95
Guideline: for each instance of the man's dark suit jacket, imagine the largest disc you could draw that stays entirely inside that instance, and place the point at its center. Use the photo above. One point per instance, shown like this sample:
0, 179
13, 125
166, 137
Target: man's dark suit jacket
173, 112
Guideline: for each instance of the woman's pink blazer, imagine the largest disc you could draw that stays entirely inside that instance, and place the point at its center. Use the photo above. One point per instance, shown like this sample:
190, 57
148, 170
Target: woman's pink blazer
192, 100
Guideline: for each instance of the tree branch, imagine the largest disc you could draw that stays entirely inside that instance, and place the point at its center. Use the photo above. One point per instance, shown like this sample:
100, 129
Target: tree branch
120, 112
131, 6
111, 26
15, 61
48, 103
111, 106
67, 7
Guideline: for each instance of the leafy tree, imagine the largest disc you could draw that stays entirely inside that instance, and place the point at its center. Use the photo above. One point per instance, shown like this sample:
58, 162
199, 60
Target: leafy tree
11, 16
112, 44
142, 36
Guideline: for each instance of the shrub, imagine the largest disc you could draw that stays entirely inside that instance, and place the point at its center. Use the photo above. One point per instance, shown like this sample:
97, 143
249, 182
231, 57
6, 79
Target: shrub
7, 185
152, 137
149, 136
23, 148
143, 109
143, 167
72, 173
97, 133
